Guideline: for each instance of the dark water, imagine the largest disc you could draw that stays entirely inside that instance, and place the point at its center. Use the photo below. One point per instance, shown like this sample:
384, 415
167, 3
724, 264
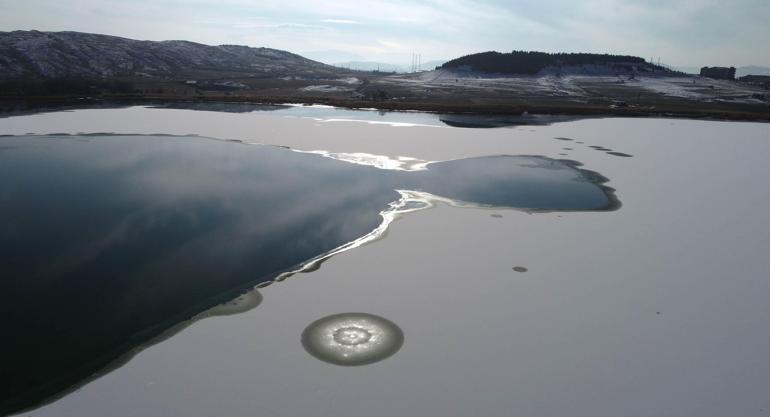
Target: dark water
107, 241
223, 107
494, 121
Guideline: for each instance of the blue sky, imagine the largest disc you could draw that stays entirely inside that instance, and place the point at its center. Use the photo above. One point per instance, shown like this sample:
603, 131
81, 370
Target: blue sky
681, 33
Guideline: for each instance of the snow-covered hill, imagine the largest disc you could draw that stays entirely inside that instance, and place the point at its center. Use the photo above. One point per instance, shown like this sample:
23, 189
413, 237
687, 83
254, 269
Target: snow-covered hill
60, 54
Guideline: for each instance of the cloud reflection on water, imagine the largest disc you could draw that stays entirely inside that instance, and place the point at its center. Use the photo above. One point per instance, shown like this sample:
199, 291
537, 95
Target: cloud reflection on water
110, 242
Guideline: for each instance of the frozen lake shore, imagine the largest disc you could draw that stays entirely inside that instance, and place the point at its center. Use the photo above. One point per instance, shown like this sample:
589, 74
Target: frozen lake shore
658, 308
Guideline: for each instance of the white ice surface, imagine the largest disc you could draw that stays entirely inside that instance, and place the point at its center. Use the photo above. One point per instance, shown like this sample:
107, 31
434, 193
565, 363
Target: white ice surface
577, 335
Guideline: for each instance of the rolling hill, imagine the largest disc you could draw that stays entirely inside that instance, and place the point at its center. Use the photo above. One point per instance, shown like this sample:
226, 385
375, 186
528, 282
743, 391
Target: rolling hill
523, 62
34, 54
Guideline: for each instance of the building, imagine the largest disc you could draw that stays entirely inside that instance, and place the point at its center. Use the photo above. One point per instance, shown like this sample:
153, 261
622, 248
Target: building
722, 73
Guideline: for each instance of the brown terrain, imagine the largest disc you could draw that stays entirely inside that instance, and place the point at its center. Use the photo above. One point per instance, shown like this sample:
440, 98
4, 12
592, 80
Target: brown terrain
70, 68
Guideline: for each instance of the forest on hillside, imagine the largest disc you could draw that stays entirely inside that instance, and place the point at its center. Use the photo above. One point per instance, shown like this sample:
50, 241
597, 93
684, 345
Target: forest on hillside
530, 62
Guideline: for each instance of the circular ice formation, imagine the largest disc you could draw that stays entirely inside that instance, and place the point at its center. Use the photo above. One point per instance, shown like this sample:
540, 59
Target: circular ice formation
352, 339
352, 336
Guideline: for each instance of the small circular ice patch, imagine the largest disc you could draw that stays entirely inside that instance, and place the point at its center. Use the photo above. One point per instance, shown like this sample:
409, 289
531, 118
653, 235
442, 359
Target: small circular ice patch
352, 336
352, 339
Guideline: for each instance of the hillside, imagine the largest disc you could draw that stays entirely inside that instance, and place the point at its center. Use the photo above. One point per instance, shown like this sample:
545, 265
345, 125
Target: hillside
521, 62
34, 54
44, 68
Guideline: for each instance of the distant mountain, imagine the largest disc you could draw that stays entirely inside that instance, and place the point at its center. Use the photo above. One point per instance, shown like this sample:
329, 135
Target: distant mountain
371, 66
751, 70
75, 54
521, 62
332, 56
385, 66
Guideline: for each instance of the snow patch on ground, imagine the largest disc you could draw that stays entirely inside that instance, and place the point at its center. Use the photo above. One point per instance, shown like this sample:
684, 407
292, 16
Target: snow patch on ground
325, 88
701, 88
350, 80
577, 86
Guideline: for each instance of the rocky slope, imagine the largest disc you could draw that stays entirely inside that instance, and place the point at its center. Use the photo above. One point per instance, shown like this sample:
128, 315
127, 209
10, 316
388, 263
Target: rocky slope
75, 54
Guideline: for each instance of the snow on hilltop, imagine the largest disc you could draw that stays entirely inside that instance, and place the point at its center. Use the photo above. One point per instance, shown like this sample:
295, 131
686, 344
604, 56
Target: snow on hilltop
61, 54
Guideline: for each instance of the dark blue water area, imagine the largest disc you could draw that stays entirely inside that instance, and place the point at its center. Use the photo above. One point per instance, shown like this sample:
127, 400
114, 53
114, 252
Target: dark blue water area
107, 241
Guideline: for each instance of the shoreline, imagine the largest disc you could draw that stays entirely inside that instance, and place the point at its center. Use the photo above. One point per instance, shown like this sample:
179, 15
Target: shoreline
11, 106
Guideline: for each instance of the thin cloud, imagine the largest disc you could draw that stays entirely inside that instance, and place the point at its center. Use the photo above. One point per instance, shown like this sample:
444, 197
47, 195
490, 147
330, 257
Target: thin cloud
681, 32
342, 21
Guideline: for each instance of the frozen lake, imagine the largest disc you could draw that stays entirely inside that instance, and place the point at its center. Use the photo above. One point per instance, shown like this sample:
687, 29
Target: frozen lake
658, 307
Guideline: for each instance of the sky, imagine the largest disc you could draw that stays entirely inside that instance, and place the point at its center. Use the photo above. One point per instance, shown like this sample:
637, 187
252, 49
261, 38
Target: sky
686, 33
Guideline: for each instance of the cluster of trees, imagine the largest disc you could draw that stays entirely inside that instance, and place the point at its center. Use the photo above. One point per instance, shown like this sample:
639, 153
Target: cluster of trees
62, 86
530, 62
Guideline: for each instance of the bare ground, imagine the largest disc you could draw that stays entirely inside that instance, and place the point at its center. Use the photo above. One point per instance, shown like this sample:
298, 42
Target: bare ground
454, 92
